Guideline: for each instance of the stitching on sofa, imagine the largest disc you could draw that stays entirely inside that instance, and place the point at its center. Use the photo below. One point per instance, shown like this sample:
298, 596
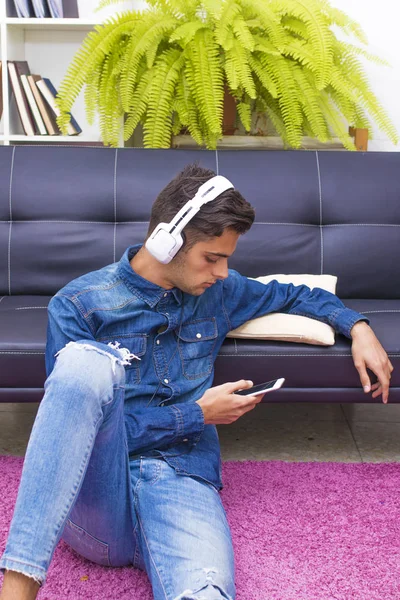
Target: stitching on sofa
270, 223
11, 222
255, 223
216, 161
28, 307
302, 355
2, 298
83, 222
363, 225
5, 352
379, 311
115, 199
320, 213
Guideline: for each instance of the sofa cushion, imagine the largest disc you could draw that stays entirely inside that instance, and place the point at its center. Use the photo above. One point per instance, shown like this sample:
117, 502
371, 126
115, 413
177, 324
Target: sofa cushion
291, 328
23, 326
23, 323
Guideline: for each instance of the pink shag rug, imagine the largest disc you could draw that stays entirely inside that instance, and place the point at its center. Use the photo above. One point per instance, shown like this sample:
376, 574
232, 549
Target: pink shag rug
301, 531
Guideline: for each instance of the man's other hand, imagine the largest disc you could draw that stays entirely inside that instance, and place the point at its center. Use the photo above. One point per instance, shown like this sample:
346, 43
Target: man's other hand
368, 352
221, 406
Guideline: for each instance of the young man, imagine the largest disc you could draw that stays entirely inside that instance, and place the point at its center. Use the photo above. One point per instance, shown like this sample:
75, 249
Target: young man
123, 461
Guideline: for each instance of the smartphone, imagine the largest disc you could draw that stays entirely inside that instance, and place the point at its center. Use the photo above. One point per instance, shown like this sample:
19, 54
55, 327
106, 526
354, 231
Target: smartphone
262, 388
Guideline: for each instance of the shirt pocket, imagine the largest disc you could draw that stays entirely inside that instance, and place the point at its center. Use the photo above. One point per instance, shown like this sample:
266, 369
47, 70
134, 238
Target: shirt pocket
196, 342
136, 344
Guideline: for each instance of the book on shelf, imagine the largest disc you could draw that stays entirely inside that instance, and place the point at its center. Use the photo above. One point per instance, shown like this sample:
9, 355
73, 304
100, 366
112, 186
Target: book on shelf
63, 8
33, 105
45, 111
49, 93
20, 98
70, 8
56, 8
22, 68
43, 8
24, 8
40, 8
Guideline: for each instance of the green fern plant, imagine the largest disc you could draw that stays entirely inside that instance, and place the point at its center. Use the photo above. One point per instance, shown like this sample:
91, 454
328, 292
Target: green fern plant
166, 68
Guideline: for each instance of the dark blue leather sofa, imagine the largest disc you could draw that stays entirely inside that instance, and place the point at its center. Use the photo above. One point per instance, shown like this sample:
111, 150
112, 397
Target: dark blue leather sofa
65, 211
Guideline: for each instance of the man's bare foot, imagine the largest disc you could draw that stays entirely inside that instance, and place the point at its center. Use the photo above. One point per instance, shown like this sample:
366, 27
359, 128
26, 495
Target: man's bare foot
18, 587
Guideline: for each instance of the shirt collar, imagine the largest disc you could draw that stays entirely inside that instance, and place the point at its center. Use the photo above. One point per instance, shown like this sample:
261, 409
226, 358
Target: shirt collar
150, 292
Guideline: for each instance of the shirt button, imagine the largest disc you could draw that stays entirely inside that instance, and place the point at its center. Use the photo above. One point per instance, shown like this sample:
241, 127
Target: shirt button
166, 380
158, 342
162, 403
165, 295
185, 440
198, 335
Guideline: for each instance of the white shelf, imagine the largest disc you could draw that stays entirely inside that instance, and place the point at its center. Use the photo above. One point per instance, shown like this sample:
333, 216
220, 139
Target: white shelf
48, 138
54, 24
48, 45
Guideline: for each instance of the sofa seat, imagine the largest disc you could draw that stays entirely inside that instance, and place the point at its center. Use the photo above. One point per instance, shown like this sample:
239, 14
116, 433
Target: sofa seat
23, 323
312, 368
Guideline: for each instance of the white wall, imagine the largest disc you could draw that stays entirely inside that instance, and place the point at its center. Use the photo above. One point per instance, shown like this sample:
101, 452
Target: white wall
379, 21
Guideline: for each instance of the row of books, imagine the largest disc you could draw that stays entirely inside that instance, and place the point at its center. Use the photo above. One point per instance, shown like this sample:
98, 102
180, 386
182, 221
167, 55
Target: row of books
35, 98
45, 8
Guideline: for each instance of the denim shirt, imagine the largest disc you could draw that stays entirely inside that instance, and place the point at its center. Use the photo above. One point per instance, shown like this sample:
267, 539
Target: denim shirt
177, 337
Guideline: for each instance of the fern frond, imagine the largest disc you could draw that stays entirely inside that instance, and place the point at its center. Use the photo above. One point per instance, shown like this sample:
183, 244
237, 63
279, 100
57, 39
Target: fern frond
280, 69
258, 63
349, 26
91, 95
264, 45
295, 26
301, 52
166, 72
205, 79
186, 32
335, 120
238, 69
146, 33
308, 97
230, 11
88, 58
320, 36
262, 11
108, 100
347, 49
104, 3
244, 110
243, 33
139, 104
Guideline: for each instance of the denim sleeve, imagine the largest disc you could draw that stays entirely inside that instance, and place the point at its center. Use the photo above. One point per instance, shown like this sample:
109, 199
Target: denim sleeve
246, 299
146, 429
160, 427
65, 324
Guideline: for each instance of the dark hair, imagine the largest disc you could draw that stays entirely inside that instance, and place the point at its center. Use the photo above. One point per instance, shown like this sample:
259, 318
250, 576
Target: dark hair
228, 211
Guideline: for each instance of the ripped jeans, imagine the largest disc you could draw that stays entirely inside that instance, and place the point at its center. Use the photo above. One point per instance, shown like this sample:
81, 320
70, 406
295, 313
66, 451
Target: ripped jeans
78, 484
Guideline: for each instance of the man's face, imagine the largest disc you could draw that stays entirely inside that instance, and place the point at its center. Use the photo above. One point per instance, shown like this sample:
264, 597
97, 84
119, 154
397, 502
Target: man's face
206, 262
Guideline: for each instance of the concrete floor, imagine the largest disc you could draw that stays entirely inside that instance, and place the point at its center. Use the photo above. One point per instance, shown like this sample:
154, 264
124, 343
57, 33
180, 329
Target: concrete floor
289, 431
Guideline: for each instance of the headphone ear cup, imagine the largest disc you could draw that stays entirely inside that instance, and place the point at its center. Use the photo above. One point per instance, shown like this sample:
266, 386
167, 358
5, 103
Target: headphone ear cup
177, 247
163, 245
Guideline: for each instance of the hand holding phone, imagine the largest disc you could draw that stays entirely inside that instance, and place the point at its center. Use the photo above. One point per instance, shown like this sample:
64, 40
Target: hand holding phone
224, 404
262, 388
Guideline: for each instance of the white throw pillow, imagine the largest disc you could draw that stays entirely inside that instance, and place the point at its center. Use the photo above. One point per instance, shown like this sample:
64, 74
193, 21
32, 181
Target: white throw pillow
291, 328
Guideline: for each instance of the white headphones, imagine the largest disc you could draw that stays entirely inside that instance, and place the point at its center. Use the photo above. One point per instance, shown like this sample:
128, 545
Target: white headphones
166, 239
